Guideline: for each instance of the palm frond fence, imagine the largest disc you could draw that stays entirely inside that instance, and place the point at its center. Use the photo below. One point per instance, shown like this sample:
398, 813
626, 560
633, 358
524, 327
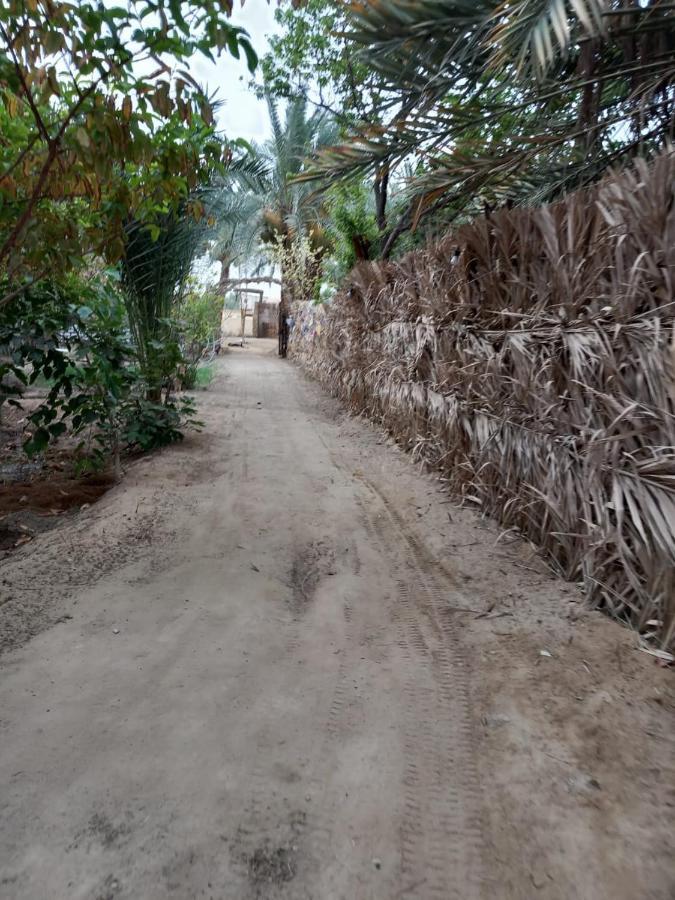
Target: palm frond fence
530, 357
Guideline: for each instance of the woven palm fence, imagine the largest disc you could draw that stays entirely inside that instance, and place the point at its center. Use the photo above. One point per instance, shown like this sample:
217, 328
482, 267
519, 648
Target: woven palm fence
529, 356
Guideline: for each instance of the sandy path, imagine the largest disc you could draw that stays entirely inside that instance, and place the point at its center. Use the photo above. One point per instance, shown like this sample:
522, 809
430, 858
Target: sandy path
273, 683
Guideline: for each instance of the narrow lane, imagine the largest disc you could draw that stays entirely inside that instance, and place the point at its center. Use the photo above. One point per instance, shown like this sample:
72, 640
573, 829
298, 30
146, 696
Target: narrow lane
272, 695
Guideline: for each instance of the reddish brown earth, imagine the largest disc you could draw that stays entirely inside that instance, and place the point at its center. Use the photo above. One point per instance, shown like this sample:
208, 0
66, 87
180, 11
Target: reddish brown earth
34, 492
278, 662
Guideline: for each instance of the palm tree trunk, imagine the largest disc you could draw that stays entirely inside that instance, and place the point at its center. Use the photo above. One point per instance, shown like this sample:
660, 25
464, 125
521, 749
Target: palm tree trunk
224, 279
380, 186
284, 311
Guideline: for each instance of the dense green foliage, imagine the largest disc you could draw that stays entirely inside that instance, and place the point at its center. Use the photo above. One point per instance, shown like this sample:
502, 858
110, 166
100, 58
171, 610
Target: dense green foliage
388, 121
313, 40
72, 335
199, 316
514, 103
107, 149
100, 118
353, 225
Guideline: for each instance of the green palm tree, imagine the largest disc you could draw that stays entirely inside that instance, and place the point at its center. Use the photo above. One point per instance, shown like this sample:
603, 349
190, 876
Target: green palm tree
158, 261
236, 237
268, 204
273, 207
292, 208
517, 100
293, 141
154, 272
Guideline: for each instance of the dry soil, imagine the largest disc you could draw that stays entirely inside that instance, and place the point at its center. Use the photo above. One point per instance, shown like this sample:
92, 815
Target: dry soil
278, 662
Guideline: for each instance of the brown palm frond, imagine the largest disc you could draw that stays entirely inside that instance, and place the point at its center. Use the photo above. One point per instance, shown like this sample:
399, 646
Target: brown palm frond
536, 371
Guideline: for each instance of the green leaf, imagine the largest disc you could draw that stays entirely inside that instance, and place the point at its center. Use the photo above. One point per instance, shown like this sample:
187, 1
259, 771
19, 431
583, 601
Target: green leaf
56, 429
37, 443
175, 7
54, 41
232, 43
251, 55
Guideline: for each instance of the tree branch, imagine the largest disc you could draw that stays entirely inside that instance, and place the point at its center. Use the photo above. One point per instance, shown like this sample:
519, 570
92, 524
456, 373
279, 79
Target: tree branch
262, 278
403, 225
7, 247
42, 128
23, 287
20, 158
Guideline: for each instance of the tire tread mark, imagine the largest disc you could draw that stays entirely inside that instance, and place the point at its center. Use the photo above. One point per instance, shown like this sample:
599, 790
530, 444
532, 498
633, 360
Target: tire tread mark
441, 834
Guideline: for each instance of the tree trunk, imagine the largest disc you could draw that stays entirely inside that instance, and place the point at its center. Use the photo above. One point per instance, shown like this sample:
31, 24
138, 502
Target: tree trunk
380, 186
284, 312
259, 279
588, 108
224, 279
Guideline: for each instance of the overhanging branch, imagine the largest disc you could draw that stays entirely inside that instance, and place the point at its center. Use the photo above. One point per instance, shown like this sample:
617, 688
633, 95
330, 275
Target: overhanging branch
233, 282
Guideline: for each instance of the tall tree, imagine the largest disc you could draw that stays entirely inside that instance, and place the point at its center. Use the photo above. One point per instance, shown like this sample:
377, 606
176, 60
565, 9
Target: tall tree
312, 57
99, 116
265, 207
235, 204
292, 213
514, 102
289, 206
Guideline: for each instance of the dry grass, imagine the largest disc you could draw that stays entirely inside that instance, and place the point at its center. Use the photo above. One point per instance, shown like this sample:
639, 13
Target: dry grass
536, 371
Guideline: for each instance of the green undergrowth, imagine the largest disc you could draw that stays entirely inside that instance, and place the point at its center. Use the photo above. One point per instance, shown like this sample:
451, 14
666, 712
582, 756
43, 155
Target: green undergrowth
204, 376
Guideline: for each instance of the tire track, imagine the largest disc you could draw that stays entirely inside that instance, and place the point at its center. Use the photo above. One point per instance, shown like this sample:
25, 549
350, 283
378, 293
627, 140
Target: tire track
441, 833
441, 829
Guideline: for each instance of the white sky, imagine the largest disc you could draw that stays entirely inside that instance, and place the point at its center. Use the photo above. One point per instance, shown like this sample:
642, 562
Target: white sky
241, 113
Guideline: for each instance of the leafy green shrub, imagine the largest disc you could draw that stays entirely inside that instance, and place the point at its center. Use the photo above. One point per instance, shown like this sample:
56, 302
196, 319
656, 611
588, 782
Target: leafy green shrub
35, 330
353, 225
204, 375
148, 425
198, 320
73, 336
188, 376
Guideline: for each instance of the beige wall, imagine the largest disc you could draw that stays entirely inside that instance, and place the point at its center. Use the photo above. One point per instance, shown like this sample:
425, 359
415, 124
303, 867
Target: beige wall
231, 324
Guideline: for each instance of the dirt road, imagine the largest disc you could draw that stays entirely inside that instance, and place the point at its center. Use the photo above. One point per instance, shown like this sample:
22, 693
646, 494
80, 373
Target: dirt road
276, 662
